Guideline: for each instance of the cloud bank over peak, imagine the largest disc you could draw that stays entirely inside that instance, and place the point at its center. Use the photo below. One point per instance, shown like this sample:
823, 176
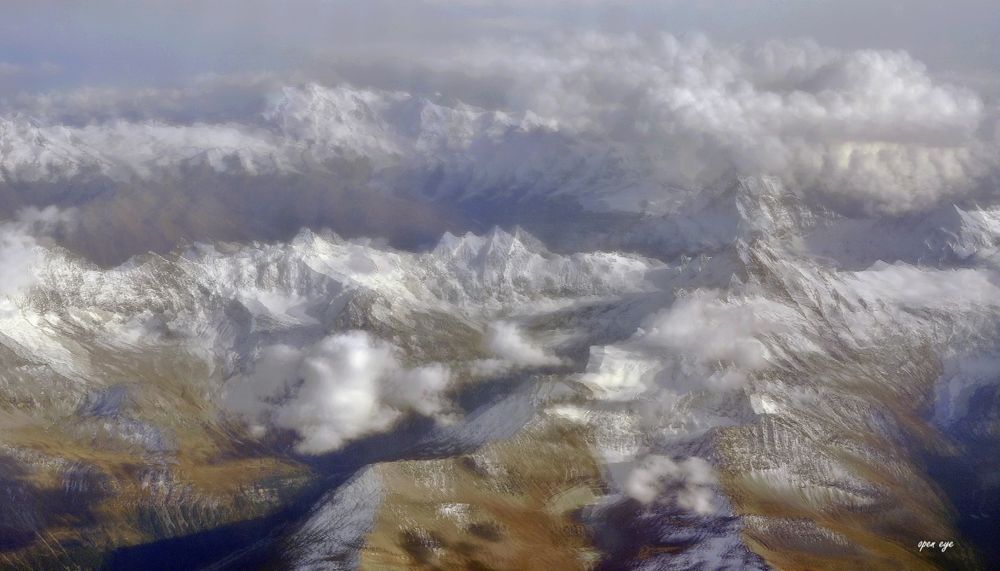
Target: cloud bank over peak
869, 127
628, 124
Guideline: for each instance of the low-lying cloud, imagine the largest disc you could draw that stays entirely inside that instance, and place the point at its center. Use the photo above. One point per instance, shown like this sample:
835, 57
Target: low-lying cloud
687, 484
20, 245
341, 388
508, 342
717, 339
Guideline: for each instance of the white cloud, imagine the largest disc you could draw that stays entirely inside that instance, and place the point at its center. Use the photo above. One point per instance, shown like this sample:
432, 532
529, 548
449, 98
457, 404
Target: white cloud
508, 342
211, 97
717, 338
707, 340
511, 350
688, 484
914, 288
124, 150
618, 374
18, 255
714, 341
868, 127
585, 114
343, 387
20, 251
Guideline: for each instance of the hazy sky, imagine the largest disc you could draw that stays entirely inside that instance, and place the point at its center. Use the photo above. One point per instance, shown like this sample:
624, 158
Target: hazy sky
50, 43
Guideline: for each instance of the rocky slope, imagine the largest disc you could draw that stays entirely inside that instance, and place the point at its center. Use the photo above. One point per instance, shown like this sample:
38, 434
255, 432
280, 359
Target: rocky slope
755, 397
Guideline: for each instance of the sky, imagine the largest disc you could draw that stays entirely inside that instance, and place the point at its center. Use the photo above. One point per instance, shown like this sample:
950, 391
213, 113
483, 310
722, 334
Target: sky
57, 43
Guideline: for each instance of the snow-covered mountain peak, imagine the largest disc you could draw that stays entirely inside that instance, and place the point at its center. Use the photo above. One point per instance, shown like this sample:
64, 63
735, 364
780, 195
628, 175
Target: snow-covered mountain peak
382, 124
341, 118
978, 233
768, 209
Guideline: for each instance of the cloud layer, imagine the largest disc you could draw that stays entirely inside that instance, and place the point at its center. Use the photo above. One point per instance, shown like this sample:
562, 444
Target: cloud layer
867, 127
609, 122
